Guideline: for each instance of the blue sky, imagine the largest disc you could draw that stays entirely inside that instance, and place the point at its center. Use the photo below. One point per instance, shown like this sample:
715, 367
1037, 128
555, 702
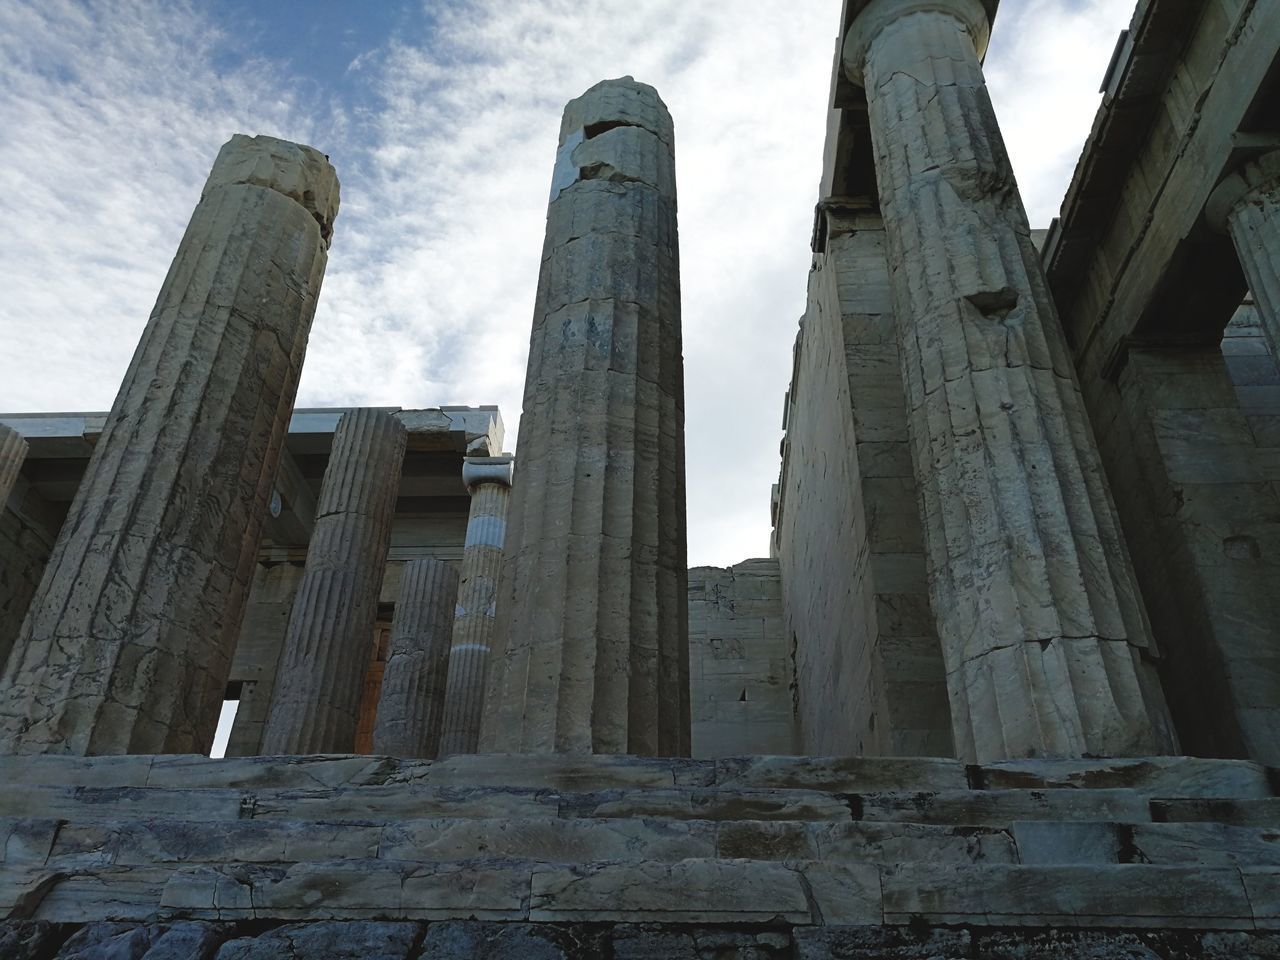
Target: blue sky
441, 118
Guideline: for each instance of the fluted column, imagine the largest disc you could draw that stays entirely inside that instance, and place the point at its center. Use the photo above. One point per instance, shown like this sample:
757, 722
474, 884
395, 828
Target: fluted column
411, 703
488, 480
1045, 638
1247, 206
316, 701
127, 645
591, 644
13, 451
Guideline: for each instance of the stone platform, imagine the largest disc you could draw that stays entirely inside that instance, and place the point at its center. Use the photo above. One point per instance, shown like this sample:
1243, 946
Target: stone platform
790, 856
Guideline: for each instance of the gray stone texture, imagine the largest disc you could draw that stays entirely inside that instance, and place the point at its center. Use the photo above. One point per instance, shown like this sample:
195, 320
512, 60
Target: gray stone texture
13, 451
128, 641
740, 673
869, 670
1210, 547
1046, 642
326, 649
266, 621
411, 703
591, 645
488, 480
1247, 204
26, 540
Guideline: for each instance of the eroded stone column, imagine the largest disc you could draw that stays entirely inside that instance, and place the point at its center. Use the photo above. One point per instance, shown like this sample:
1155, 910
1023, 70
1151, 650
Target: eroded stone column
411, 703
488, 480
315, 705
128, 642
1247, 205
1045, 639
13, 451
591, 644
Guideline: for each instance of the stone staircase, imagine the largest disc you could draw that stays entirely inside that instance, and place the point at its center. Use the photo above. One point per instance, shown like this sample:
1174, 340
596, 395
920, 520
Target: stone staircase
773, 842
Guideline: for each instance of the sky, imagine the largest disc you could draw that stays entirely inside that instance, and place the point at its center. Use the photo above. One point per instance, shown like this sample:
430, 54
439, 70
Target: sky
441, 118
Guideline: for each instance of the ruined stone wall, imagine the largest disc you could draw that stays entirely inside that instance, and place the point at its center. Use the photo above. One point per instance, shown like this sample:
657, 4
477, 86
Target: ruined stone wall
740, 673
869, 672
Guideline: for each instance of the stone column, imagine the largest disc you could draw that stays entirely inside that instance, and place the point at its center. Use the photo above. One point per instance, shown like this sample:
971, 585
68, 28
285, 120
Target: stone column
315, 705
591, 644
411, 703
488, 480
13, 451
1247, 206
1045, 638
128, 642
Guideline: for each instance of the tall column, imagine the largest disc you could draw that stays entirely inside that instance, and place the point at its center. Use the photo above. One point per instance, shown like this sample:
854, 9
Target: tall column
316, 702
13, 451
488, 479
591, 644
128, 642
411, 703
1045, 639
1247, 205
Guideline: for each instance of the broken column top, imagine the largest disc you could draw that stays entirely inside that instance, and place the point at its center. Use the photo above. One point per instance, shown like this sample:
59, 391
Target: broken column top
299, 172
619, 102
866, 18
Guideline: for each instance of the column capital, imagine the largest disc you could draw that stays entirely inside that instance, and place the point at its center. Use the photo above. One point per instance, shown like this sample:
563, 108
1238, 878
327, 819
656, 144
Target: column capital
478, 470
1254, 177
873, 16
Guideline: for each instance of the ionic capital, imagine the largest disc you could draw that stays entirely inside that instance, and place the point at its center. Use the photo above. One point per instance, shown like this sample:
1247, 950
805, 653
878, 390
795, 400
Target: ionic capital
1252, 181
478, 470
875, 15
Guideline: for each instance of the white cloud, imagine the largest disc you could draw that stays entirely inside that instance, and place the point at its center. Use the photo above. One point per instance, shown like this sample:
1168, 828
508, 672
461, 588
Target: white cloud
113, 113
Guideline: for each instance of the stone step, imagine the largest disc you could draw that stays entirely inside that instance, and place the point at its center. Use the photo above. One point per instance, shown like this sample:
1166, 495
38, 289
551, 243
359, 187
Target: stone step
697, 890
415, 801
59, 844
1155, 777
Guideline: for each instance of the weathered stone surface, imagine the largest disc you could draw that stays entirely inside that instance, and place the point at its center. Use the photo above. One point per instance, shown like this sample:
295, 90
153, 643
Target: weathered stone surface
1047, 842
27, 939
591, 644
512, 941
411, 705
1068, 896
880, 943
128, 642
1044, 636
1003, 807
353, 940
13, 451
847, 529
489, 481
1204, 527
694, 891
841, 774
1247, 205
1153, 776
182, 940
321, 676
740, 671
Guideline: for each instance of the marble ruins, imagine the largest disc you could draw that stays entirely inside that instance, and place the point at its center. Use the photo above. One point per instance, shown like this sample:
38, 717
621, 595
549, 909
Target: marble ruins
1007, 684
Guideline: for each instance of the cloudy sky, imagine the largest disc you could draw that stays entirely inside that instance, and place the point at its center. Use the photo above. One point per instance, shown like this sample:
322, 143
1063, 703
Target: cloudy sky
441, 118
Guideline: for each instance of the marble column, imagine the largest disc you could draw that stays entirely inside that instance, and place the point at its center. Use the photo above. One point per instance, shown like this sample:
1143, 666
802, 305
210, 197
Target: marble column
13, 451
411, 703
1045, 639
320, 677
1247, 206
127, 645
488, 480
591, 645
